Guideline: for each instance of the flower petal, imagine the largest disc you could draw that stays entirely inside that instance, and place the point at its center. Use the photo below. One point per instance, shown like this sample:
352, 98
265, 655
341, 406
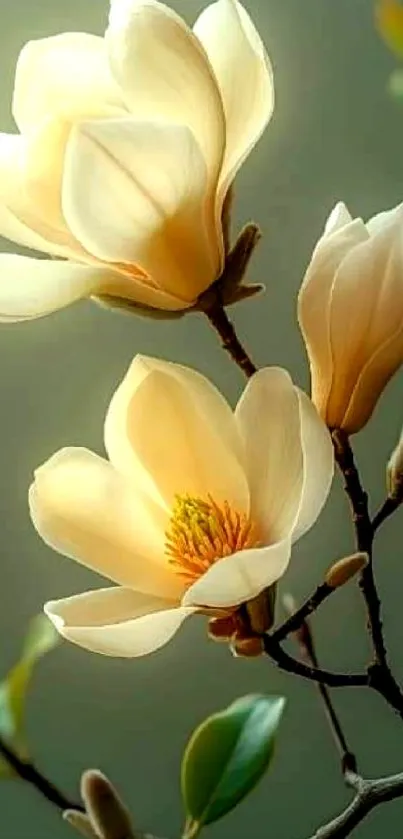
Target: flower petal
240, 577
65, 75
314, 298
195, 449
245, 78
268, 420
136, 193
162, 69
117, 621
372, 274
318, 458
84, 509
31, 288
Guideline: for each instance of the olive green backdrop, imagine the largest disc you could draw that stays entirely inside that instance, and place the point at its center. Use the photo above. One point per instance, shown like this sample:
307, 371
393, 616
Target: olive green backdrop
336, 134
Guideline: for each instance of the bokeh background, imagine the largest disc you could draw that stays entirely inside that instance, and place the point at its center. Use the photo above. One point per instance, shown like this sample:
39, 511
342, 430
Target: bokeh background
336, 134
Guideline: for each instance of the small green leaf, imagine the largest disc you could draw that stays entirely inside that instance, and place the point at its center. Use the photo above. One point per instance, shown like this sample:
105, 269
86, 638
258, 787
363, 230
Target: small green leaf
40, 639
395, 84
226, 756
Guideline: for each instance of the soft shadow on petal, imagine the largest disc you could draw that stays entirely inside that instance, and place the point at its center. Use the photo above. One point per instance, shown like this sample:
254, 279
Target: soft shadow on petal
31, 288
268, 419
372, 274
65, 75
117, 622
245, 78
136, 193
176, 438
314, 299
318, 466
206, 396
164, 74
84, 509
240, 577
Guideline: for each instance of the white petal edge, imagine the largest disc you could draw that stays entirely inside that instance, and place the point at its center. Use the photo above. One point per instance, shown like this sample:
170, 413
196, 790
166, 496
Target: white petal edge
117, 622
239, 577
318, 469
31, 288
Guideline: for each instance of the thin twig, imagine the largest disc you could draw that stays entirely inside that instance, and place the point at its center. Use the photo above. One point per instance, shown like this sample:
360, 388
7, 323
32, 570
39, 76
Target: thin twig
389, 507
369, 794
315, 674
219, 319
28, 772
297, 619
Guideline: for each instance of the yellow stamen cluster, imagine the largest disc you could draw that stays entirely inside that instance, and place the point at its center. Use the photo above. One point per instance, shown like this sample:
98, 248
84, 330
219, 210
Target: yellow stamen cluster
201, 532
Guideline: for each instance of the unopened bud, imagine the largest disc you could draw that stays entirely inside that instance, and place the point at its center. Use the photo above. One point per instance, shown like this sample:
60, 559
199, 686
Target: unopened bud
289, 602
81, 823
344, 569
394, 472
222, 629
248, 647
107, 813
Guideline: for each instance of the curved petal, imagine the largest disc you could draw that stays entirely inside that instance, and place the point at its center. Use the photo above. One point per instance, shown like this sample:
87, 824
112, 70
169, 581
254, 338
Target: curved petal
117, 621
23, 215
314, 298
318, 458
164, 73
372, 274
240, 577
84, 509
194, 449
65, 75
269, 423
245, 78
31, 288
136, 193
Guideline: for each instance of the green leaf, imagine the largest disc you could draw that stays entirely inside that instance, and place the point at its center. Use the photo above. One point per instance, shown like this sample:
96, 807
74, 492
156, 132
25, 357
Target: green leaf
40, 639
226, 756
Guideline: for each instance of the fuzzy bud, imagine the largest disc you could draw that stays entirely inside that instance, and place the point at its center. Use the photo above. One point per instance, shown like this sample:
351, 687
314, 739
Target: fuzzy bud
394, 472
345, 569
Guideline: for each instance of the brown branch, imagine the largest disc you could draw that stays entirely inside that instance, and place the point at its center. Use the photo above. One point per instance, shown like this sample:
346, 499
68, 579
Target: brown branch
27, 771
389, 507
220, 321
298, 618
369, 794
286, 662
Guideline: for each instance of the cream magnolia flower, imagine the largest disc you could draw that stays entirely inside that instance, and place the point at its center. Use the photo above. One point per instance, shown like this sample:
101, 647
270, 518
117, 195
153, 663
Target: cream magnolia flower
350, 311
196, 510
128, 146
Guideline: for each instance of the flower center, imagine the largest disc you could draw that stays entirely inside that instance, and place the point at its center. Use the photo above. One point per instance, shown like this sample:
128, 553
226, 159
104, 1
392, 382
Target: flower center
201, 532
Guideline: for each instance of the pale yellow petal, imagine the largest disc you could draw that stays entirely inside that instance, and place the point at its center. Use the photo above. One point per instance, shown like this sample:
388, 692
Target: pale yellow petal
117, 621
240, 577
65, 75
318, 465
171, 425
269, 422
245, 78
31, 288
136, 193
164, 74
84, 509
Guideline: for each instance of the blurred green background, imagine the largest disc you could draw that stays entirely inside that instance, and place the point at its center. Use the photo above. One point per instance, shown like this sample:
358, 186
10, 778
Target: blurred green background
336, 134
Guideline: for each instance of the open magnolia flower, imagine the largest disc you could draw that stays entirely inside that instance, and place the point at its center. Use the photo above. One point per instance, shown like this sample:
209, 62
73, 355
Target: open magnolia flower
128, 146
197, 509
350, 310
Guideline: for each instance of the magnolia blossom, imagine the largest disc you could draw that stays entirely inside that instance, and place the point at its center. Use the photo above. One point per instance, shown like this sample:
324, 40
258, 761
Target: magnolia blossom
128, 145
350, 311
196, 509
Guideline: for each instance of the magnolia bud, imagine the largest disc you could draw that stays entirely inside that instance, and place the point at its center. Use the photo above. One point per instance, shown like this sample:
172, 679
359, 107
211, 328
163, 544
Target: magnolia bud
394, 472
344, 569
81, 823
107, 813
247, 647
